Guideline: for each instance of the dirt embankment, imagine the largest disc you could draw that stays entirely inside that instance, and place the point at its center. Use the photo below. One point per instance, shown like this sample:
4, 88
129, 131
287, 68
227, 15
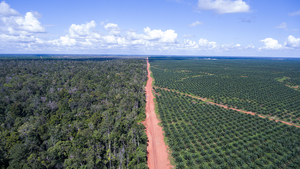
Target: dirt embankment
157, 149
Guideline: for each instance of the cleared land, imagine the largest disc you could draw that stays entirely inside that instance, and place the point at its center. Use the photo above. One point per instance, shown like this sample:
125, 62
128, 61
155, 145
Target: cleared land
157, 149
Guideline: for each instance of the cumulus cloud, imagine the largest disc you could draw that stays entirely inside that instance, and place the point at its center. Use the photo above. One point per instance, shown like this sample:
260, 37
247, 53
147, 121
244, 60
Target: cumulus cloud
15, 23
205, 43
6, 10
294, 13
18, 39
163, 36
63, 41
292, 42
190, 44
24, 31
81, 30
195, 24
112, 28
282, 26
18, 28
224, 6
168, 36
270, 43
83, 36
234, 47
28, 23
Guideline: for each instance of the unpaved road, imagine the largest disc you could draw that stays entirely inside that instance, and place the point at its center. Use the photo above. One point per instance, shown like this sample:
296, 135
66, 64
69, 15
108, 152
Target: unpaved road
157, 149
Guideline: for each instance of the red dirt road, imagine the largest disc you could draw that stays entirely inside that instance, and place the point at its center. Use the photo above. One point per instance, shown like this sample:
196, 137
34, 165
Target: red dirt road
157, 149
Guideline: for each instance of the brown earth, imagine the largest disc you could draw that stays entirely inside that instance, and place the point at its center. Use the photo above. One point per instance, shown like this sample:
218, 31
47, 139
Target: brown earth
224, 106
157, 149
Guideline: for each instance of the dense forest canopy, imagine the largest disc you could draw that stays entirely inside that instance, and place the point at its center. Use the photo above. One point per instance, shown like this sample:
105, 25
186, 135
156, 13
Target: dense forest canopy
72, 114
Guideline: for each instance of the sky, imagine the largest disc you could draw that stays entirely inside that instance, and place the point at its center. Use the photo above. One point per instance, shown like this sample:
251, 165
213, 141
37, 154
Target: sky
151, 27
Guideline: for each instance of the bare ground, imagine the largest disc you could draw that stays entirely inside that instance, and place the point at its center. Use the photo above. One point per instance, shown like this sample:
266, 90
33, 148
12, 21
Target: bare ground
157, 149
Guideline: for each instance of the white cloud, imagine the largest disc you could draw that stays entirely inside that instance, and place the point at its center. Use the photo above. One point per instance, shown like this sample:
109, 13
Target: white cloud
195, 24
113, 28
22, 25
188, 36
18, 39
270, 43
190, 44
205, 43
282, 25
6, 10
224, 6
292, 42
17, 28
21, 33
81, 30
157, 34
85, 37
29, 23
168, 36
250, 47
63, 41
228, 47
294, 13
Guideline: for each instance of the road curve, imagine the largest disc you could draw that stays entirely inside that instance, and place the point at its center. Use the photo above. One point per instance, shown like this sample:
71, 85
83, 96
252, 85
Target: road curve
157, 149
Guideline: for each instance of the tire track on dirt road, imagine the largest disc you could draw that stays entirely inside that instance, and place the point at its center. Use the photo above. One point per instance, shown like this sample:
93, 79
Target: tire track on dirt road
157, 149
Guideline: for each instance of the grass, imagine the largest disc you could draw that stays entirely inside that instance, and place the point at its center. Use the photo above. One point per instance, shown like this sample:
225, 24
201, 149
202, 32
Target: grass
151, 74
282, 79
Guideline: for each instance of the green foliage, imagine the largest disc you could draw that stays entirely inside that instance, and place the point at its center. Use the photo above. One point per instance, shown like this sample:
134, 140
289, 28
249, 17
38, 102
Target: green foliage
244, 84
223, 137
202, 135
72, 114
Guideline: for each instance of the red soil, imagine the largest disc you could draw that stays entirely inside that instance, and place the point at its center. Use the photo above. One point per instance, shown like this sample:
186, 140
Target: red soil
157, 149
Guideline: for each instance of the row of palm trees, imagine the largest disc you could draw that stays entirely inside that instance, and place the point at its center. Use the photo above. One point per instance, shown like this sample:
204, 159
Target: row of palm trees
207, 135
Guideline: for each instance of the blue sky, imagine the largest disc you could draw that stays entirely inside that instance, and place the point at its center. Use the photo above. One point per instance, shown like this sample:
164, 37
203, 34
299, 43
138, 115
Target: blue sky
156, 27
